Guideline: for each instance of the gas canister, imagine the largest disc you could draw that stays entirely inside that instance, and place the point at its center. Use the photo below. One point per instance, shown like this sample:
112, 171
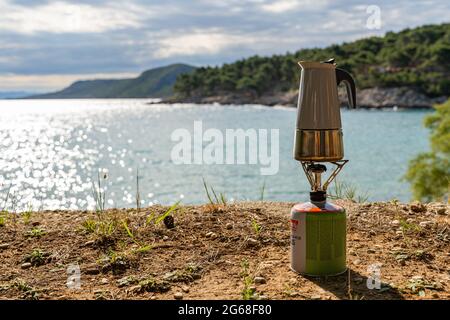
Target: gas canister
318, 239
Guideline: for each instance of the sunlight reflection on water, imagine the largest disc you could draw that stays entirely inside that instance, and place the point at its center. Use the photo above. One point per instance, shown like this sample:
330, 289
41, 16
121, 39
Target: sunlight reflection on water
52, 150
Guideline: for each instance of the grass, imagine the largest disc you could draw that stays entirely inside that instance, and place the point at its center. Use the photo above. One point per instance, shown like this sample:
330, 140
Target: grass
173, 208
99, 193
26, 216
142, 247
3, 216
37, 257
248, 292
218, 200
256, 226
347, 191
138, 194
29, 292
36, 233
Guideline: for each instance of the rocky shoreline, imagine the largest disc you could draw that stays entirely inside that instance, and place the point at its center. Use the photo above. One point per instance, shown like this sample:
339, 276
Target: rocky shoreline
374, 98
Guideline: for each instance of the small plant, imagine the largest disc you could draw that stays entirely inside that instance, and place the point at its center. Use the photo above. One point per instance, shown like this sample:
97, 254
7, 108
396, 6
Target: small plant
256, 226
221, 199
29, 292
2, 219
37, 257
27, 214
36, 233
409, 226
99, 192
347, 191
89, 225
142, 247
248, 292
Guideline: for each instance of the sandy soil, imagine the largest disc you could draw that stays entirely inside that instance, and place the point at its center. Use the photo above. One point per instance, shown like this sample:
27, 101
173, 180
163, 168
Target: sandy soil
219, 252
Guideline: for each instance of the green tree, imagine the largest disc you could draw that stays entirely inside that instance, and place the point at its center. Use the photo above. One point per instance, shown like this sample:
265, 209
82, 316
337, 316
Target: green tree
429, 172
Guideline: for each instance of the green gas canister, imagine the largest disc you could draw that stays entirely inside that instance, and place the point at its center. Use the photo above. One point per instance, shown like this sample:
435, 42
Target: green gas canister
318, 239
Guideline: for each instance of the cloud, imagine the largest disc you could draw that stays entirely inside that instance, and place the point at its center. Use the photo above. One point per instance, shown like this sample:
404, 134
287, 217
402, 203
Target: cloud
64, 17
78, 38
281, 6
198, 42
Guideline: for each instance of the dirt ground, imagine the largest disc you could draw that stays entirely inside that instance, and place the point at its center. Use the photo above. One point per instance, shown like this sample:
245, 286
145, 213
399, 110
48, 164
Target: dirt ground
237, 251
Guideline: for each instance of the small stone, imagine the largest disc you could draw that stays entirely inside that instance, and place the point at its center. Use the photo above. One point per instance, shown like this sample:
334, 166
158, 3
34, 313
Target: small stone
259, 280
185, 289
395, 223
165, 238
169, 222
424, 224
418, 207
356, 262
25, 265
178, 295
4, 246
252, 242
134, 288
104, 281
153, 298
213, 235
89, 243
229, 226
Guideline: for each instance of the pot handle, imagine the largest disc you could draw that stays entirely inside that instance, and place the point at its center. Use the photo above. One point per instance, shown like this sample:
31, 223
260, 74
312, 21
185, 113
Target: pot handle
344, 76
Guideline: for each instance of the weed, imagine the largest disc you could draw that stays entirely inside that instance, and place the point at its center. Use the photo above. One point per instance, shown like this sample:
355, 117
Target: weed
89, 225
99, 193
37, 257
36, 233
418, 285
256, 226
138, 194
142, 247
154, 285
27, 214
221, 199
150, 218
29, 292
248, 292
348, 191
3, 216
409, 226
168, 211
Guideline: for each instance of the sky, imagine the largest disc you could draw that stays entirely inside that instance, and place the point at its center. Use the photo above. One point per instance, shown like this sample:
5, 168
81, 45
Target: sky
46, 45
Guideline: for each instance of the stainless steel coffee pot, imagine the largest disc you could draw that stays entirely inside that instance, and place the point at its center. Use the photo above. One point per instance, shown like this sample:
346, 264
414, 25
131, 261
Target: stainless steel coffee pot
318, 134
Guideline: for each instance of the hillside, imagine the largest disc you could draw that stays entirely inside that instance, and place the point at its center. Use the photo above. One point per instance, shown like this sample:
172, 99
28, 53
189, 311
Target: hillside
153, 83
413, 60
